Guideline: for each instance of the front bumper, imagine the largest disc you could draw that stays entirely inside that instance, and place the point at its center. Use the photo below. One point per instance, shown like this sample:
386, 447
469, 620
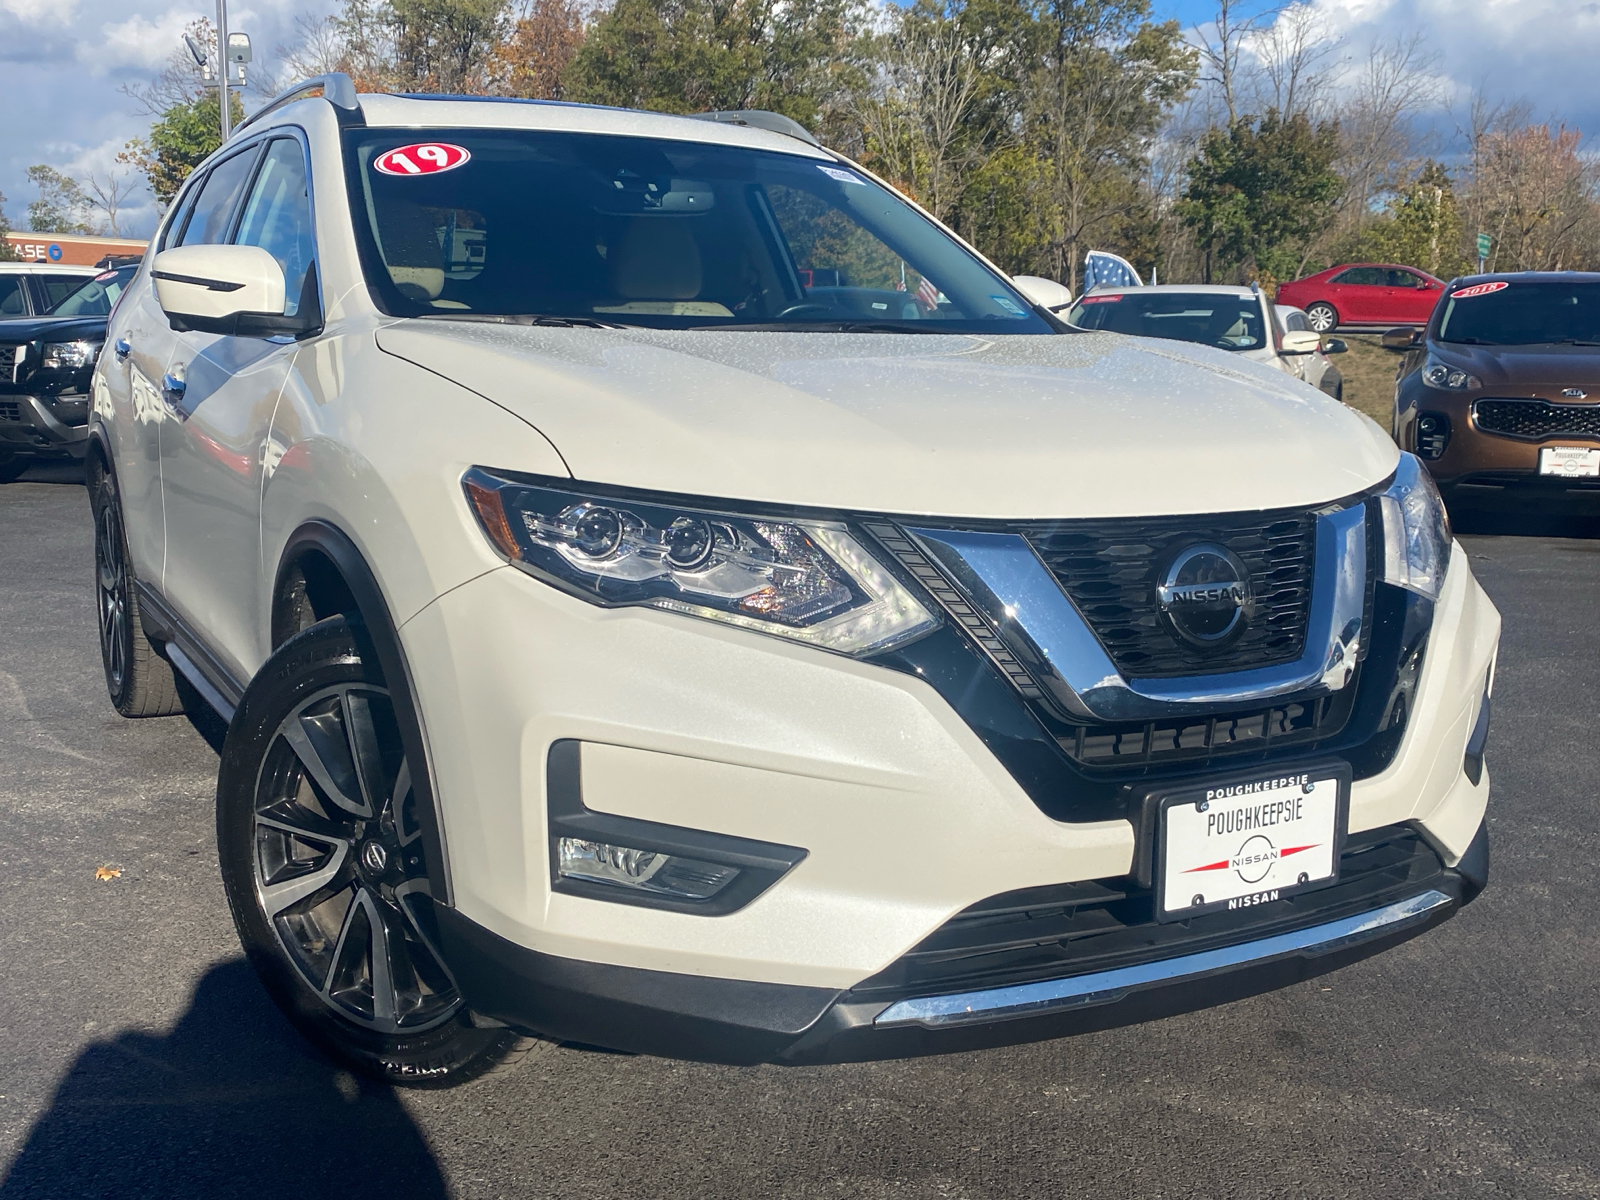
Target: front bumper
39, 427
907, 817
743, 1022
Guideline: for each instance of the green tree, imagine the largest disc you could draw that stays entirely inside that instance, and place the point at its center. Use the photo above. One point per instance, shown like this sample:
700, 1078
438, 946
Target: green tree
443, 45
696, 55
8, 252
61, 203
178, 142
1422, 227
1260, 191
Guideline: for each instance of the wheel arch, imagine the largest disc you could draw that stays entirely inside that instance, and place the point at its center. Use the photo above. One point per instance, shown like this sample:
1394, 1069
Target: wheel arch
322, 574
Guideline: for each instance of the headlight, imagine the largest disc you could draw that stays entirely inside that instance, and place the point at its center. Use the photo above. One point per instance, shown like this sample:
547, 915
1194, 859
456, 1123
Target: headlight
1450, 379
69, 355
809, 581
1416, 531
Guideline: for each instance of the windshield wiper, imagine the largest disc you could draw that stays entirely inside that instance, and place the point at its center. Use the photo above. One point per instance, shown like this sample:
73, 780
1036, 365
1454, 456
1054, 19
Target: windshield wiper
1574, 342
546, 319
1470, 341
830, 327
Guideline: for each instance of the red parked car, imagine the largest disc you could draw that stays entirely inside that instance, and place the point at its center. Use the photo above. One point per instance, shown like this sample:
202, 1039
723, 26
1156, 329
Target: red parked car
1364, 294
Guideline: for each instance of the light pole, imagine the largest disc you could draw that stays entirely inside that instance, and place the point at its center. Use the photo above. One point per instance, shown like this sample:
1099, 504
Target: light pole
222, 65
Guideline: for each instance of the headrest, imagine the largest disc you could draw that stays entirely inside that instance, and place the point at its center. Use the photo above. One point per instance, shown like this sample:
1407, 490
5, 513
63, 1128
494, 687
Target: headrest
411, 251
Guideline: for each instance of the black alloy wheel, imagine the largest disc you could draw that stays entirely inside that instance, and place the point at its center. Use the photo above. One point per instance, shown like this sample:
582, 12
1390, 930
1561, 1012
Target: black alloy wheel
326, 868
138, 680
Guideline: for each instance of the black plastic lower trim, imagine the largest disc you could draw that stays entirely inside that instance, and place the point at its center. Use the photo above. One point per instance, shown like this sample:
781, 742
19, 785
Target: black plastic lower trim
742, 1022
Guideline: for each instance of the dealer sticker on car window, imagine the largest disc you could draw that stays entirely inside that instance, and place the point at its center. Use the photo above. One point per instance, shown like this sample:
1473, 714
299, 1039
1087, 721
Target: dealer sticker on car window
423, 158
841, 175
1235, 845
1571, 462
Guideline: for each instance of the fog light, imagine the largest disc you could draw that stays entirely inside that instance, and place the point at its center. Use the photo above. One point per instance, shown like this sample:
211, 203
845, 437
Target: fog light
1433, 435
642, 870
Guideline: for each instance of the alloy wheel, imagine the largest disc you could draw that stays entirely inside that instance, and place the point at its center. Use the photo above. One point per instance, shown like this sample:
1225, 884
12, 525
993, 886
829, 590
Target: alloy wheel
1321, 318
339, 866
111, 594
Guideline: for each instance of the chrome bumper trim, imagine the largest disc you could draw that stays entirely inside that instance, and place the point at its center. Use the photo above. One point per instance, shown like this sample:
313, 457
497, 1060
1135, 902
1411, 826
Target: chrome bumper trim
1106, 987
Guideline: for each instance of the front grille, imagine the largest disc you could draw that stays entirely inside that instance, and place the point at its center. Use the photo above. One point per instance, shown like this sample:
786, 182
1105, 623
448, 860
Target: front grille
10, 410
1536, 420
8, 361
1110, 568
1079, 928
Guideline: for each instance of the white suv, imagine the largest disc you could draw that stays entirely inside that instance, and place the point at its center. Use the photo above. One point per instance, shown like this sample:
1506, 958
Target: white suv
669, 593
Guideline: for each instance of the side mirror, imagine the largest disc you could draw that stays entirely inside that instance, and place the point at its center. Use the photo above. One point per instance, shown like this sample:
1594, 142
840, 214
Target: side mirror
1046, 293
1301, 341
237, 291
1400, 338
1335, 346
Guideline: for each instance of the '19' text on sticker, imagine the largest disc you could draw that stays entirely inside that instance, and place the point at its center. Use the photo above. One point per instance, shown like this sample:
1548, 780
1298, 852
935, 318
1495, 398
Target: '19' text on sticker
424, 158
1479, 289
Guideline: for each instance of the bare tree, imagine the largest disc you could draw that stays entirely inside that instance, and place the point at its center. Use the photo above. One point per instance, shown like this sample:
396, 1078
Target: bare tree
108, 194
1292, 58
1225, 53
915, 118
1380, 152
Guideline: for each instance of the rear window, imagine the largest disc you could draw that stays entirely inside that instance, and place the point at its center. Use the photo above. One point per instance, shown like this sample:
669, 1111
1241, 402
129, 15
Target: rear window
1226, 322
1523, 314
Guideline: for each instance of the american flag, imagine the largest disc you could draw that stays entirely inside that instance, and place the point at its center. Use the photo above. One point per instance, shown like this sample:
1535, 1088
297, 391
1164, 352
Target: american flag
928, 294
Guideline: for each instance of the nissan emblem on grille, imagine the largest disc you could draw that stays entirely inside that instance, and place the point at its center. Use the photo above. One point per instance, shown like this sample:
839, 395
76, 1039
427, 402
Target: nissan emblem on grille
1204, 595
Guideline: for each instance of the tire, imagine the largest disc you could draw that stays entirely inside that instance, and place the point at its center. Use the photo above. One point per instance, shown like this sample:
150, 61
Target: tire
1322, 318
11, 469
138, 680
324, 865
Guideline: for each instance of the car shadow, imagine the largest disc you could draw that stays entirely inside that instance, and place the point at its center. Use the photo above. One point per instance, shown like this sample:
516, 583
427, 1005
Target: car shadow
230, 1102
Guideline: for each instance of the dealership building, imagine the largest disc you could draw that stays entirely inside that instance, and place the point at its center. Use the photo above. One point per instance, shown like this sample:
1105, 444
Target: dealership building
71, 249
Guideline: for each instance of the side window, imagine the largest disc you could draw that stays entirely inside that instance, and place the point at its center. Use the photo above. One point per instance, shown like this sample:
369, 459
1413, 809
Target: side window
1404, 279
208, 224
174, 229
58, 287
1362, 276
1295, 322
13, 300
277, 217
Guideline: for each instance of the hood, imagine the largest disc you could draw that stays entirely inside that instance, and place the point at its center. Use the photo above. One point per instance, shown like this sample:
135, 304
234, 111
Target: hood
1001, 427
1525, 370
53, 329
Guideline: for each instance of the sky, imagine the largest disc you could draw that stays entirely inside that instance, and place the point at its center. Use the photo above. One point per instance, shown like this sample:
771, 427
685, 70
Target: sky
62, 62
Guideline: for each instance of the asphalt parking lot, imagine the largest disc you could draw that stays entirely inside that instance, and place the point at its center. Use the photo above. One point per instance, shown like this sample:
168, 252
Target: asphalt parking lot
138, 1057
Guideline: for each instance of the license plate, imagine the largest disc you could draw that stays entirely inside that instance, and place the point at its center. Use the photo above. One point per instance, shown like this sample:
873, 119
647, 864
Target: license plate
1240, 842
1570, 462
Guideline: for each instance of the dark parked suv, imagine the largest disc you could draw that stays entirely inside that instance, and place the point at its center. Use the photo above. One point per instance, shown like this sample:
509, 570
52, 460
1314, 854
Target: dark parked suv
45, 366
1500, 394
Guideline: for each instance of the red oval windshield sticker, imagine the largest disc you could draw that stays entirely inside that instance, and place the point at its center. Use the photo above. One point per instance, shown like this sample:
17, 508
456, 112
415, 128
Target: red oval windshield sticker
424, 158
1479, 289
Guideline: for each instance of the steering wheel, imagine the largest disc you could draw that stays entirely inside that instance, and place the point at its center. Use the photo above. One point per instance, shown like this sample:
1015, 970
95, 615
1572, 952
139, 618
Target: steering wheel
795, 309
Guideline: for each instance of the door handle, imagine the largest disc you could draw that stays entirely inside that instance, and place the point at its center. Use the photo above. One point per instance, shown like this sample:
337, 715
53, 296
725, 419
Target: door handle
173, 386
123, 347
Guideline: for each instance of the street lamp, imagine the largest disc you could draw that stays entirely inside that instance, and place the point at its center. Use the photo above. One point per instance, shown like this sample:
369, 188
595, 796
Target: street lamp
233, 52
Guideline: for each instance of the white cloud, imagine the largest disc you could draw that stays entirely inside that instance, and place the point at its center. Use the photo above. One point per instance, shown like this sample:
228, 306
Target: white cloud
34, 12
137, 42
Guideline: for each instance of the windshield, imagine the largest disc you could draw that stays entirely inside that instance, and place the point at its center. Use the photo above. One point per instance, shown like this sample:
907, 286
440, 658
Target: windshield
1227, 322
642, 231
1522, 314
96, 297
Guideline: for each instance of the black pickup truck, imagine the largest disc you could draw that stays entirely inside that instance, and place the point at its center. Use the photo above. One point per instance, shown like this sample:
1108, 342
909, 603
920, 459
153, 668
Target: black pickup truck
45, 366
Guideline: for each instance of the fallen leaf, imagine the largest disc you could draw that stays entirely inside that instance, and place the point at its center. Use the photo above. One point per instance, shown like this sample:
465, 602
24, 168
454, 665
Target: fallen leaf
104, 873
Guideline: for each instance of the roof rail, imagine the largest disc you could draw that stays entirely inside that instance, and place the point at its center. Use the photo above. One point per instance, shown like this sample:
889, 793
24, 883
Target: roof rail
756, 119
337, 89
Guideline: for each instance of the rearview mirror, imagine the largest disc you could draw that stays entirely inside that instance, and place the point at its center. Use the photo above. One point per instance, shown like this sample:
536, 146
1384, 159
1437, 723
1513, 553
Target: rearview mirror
1046, 293
237, 291
1301, 341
